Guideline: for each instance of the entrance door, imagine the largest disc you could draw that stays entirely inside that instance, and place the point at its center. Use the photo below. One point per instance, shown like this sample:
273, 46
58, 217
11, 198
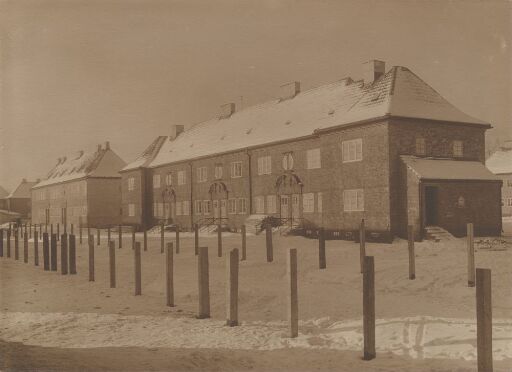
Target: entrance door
223, 209
216, 209
295, 207
431, 205
285, 211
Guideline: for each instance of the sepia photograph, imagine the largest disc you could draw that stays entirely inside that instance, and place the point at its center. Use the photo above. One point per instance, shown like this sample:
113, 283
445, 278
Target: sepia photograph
256, 185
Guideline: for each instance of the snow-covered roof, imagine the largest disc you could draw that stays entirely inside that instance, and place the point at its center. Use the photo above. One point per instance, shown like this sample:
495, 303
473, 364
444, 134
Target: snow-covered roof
149, 154
448, 169
501, 161
22, 191
101, 163
398, 93
3, 193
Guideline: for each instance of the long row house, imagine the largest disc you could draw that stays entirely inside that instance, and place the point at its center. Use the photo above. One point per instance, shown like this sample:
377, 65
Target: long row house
388, 149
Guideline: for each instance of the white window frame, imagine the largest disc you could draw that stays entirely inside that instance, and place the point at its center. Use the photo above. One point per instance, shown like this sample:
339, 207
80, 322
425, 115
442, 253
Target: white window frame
242, 206
131, 210
319, 203
207, 207
287, 162
458, 148
232, 206
156, 181
131, 183
218, 170
168, 179
236, 169
259, 204
182, 180
264, 165
271, 204
178, 208
509, 202
308, 202
186, 207
202, 174
198, 207
421, 146
160, 209
352, 150
353, 200
313, 159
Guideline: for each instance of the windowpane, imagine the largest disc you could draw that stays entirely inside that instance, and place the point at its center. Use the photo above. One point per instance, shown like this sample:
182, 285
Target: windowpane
352, 150
313, 159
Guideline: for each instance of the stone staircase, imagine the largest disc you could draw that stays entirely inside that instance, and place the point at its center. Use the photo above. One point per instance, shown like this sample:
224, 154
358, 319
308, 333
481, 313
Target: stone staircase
253, 223
437, 233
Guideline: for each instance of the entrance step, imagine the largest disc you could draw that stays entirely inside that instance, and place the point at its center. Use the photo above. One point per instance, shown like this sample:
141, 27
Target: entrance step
437, 233
253, 223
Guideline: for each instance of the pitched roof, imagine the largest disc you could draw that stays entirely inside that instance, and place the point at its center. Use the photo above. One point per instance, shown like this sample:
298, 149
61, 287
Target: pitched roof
149, 154
3, 193
22, 191
83, 164
448, 169
501, 161
399, 92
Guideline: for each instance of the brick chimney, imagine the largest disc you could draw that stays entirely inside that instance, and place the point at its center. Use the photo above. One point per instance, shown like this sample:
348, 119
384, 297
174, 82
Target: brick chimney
227, 110
176, 130
289, 90
107, 145
373, 70
99, 147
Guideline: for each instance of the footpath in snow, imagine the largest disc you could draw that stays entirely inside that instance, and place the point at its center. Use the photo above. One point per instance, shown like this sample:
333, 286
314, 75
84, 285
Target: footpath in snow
417, 337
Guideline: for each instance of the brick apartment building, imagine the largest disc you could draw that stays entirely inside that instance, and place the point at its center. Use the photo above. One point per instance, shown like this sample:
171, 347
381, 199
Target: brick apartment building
84, 187
388, 149
500, 163
19, 200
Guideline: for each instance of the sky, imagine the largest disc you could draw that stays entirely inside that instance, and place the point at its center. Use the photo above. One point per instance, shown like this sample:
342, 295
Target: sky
74, 74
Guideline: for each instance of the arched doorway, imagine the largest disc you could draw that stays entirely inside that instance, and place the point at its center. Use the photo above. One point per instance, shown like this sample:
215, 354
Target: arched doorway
219, 198
289, 191
169, 201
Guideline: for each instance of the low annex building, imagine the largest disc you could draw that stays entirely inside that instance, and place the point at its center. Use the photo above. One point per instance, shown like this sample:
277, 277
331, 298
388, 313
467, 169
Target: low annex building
82, 188
326, 157
500, 163
19, 200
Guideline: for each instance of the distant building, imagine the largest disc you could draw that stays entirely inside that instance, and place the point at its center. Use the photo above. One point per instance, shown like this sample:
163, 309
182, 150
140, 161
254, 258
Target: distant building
19, 201
500, 163
84, 187
388, 149
3, 198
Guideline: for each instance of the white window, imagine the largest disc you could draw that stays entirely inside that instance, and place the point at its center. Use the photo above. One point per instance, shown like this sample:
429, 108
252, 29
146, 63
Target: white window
181, 177
236, 169
131, 183
271, 204
458, 148
186, 207
308, 202
178, 209
319, 203
198, 207
259, 204
232, 206
509, 202
160, 210
154, 210
353, 200
313, 159
168, 179
352, 150
218, 171
421, 148
156, 181
288, 161
242, 206
264, 165
207, 206
202, 174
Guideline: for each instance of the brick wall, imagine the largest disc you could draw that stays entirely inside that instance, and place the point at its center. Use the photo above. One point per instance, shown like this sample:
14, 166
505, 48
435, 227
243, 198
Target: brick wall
103, 201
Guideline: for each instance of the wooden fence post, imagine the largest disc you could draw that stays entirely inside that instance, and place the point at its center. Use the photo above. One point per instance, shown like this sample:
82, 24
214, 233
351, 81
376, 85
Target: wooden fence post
138, 269
98, 237
162, 238
362, 245
112, 261
204, 283
369, 308
293, 303
244, 243
8, 243
16, 246
46, 252
53, 252
108, 236
177, 239
91, 258
72, 229
196, 239
268, 240
169, 275
145, 239
120, 236
58, 231
25, 247
1, 242
322, 261
412, 258
471, 255
232, 288
72, 254
133, 237
64, 254
51, 229
36, 248
30, 231
219, 240
484, 320
80, 227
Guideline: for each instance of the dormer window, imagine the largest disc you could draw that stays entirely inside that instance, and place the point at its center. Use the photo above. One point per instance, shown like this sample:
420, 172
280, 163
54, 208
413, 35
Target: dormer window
421, 148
